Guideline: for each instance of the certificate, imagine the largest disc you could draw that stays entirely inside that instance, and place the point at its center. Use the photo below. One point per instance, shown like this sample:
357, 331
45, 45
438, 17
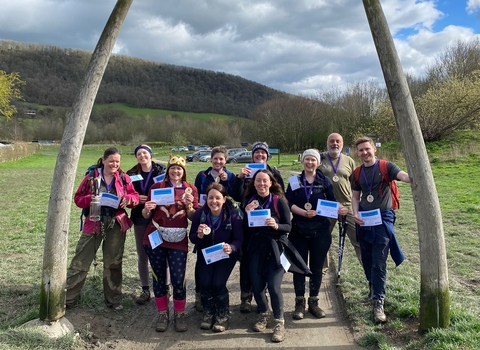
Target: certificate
159, 178
163, 196
371, 217
328, 209
202, 199
137, 177
293, 181
258, 217
254, 167
109, 200
155, 239
214, 253
284, 261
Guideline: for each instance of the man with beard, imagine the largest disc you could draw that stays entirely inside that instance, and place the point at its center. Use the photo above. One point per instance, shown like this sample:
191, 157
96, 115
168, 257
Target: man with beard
339, 168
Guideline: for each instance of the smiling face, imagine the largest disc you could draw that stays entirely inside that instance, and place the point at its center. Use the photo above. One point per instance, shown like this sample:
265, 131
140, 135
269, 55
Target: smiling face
175, 173
215, 201
334, 145
262, 183
310, 164
218, 161
366, 151
260, 156
143, 157
111, 164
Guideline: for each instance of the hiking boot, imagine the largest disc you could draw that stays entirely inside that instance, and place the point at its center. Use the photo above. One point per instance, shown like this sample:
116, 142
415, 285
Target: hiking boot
162, 323
278, 330
208, 312
114, 307
246, 302
222, 323
262, 322
299, 312
222, 316
378, 313
198, 302
143, 298
314, 309
180, 321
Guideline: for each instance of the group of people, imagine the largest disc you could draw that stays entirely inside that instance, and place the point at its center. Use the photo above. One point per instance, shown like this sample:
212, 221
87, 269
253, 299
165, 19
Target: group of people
250, 217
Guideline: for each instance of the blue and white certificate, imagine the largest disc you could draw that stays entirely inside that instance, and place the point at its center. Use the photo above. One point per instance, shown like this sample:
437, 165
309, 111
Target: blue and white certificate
163, 196
294, 183
136, 177
202, 199
109, 200
155, 239
371, 217
254, 167
257, 217
214, 253
159, 178
328, 209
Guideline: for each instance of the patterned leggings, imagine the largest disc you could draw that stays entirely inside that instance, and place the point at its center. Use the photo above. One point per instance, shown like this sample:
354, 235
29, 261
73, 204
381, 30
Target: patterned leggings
177, 262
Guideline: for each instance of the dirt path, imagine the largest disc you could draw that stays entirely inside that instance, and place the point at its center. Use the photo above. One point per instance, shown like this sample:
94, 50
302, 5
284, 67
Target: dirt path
134, 328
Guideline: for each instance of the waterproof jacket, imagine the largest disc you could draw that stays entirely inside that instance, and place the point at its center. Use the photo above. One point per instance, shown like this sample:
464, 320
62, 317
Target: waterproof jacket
204, 178
83, 198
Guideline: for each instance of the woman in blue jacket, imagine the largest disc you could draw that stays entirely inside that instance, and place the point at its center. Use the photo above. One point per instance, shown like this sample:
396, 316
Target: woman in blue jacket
217, 222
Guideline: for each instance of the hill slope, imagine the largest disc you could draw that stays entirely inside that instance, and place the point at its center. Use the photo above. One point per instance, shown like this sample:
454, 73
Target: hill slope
54, 74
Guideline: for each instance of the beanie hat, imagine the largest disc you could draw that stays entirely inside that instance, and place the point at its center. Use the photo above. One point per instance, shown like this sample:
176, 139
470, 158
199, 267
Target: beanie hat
262, 146
312, 152
145, 147
179, 161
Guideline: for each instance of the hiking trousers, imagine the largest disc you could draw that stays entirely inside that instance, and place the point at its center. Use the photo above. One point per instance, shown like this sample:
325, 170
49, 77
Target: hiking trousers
113, 243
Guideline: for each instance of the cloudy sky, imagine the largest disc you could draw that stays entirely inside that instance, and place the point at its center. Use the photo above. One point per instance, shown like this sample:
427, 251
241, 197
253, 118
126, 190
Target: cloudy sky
291, 45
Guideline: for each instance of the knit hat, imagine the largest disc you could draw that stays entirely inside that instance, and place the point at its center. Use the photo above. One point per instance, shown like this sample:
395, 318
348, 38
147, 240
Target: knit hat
145, 147
179, 161
262, 146
312, 152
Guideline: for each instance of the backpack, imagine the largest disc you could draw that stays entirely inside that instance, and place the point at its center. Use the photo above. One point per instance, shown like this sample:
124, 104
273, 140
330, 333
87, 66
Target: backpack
385, 178
91, 175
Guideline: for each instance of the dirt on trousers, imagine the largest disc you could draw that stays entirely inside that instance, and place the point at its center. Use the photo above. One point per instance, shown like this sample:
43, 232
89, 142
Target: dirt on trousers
134, 327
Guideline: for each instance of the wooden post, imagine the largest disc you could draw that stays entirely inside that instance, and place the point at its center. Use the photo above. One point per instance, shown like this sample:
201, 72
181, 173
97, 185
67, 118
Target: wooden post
434, 293
52, 294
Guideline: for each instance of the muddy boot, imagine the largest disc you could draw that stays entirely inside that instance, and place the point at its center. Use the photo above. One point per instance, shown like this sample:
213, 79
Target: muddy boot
314, 309
222, 313
208, 312
162, 323
378, 313
180, 321
246, 302
278, 330
263, 322
198, 302
299, 312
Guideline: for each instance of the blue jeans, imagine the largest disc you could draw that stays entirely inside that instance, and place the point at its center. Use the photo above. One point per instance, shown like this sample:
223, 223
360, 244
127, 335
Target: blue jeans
374, 259
266, 274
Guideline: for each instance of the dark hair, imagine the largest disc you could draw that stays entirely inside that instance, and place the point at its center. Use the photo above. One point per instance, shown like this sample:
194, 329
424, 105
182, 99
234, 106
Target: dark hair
216, 186
274, 189
108, 152
219, 149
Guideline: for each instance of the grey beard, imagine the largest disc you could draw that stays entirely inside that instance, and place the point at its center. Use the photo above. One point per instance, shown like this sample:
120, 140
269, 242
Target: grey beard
334, 153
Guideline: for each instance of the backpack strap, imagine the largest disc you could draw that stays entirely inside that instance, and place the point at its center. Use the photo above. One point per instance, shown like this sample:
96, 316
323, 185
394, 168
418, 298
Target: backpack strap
275, 205
356, 175
385, 178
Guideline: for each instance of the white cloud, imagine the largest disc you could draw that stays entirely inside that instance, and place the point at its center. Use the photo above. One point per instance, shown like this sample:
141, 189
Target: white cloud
473, 6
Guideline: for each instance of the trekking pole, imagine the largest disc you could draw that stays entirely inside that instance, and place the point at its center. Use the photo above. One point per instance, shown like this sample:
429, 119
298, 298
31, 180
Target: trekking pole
342, 228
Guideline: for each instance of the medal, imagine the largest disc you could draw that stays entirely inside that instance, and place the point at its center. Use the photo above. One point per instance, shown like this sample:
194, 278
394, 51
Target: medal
370, 198
255, 204
335, 178
207, 230
217, 179
188, 190
307, 206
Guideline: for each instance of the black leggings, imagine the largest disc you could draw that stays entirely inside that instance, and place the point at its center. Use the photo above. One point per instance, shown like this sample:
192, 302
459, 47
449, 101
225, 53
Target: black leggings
212, 278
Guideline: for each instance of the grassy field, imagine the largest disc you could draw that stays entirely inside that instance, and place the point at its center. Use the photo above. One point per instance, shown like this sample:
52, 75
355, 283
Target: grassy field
26, 185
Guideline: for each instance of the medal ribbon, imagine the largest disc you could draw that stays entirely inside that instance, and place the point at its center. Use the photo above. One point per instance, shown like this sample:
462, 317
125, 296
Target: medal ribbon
335, 169
108, 186
144, 184
171, 185
310, 191
369, 185
266, 205
219, 221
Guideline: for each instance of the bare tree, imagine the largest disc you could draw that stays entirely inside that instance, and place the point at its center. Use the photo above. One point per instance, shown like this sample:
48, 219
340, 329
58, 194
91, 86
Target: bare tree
434, 292
52, 294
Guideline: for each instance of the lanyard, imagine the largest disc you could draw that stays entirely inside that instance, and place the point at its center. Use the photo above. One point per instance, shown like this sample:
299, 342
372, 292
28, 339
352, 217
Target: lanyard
310, 191
369, 185
108, 186
219, 221
335, 168
144, 183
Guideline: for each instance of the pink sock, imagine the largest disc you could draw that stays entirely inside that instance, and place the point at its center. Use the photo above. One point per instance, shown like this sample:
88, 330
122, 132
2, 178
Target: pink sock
162, 303
179, 305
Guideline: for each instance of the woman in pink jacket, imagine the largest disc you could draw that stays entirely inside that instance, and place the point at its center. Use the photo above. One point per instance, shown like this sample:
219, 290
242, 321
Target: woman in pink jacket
106, 192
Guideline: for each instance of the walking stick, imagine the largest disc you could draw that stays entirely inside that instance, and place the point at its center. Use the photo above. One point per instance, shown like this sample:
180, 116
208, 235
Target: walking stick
342, 228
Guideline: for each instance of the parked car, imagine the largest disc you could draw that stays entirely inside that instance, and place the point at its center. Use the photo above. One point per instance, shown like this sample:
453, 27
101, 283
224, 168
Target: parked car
195, 157
192, 148
241, 157
204, 148
232, 151
205, 158
180, 149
